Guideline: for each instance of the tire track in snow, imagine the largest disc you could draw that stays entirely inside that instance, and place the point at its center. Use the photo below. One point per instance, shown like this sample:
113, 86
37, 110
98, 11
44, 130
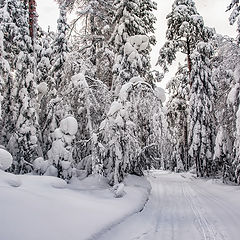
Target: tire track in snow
207, 229
224, 208
174, 211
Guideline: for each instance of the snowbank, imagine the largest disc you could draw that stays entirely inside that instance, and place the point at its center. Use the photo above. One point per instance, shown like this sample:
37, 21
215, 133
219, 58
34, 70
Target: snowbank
47, 208
8, 180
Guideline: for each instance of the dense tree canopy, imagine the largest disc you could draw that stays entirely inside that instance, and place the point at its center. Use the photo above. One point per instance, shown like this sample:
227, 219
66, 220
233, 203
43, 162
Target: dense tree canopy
84, 100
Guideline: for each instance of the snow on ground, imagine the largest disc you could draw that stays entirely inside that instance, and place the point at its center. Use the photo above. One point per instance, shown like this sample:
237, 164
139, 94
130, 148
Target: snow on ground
41, 207
183, 208
180, 207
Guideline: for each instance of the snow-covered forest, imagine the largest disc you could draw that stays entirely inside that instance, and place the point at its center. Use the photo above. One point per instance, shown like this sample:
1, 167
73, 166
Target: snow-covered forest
81, 110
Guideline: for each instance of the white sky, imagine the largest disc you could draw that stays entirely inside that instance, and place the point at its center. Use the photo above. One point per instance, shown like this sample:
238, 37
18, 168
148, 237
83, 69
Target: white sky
213, 12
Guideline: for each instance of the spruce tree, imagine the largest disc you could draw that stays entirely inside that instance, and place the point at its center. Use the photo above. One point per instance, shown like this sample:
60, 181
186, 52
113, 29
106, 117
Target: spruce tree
225, 61
52, 111
201, 109
60, 52
4, 71
177, 116
148, 20
43, 53
131, 32
20, 130
88, 100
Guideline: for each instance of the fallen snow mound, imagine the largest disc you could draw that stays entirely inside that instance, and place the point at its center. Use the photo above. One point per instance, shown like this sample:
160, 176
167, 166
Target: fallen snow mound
5, 159
69, 125
8, 179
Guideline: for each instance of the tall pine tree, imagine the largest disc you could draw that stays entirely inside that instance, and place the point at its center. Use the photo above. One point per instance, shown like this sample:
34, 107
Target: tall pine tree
185, 29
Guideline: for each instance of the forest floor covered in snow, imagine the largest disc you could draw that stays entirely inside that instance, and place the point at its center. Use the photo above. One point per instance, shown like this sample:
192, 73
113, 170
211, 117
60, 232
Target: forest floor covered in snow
179, 207
40, 207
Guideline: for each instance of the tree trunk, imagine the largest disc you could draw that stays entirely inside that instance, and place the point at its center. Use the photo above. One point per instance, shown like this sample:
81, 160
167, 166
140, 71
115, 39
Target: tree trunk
189, 56
31, 6
186, 146
32, 18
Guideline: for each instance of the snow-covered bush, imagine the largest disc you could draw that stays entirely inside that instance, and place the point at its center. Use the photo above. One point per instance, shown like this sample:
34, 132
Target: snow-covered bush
60, 154
5, 159
40, 166
118, 190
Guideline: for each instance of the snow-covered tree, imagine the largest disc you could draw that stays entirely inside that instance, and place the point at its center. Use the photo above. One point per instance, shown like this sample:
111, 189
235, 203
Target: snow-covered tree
88, 100
131, 32
20, 128
225, 61
232, 126
53, 57
60, 160
46, 92
148, 20
90, 32
177, 116
44, 52
185, 29
60, 53
4, 71
201, 109
131, 133
9, 31
128, 64
235, 15
121, 146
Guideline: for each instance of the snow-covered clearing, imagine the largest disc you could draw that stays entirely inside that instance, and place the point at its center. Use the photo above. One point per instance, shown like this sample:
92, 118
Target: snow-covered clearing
181, 207
39, 207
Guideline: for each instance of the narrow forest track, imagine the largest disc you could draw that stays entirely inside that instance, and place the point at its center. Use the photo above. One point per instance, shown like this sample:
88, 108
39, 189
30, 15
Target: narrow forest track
181, 209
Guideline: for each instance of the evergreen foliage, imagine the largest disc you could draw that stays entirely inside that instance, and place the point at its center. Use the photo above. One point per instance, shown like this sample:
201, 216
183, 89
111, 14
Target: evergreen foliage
84, 101
235, 16
201, 115
185, 30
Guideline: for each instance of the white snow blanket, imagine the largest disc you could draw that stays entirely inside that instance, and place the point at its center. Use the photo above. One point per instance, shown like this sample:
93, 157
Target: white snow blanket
40, 207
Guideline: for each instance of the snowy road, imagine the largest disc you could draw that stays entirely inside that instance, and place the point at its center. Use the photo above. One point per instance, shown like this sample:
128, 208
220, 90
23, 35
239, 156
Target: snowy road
182, 208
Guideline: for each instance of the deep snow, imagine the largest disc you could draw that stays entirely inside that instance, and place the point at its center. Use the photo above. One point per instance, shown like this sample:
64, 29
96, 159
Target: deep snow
41, 207
180, 207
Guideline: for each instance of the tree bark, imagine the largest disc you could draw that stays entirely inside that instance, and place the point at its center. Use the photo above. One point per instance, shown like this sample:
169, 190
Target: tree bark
31, 6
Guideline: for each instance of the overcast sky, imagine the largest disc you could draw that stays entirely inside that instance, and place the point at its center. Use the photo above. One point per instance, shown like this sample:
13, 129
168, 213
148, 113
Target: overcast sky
212, 11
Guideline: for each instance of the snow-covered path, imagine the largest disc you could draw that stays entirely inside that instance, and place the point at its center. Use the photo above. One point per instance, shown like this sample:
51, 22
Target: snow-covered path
183, 208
